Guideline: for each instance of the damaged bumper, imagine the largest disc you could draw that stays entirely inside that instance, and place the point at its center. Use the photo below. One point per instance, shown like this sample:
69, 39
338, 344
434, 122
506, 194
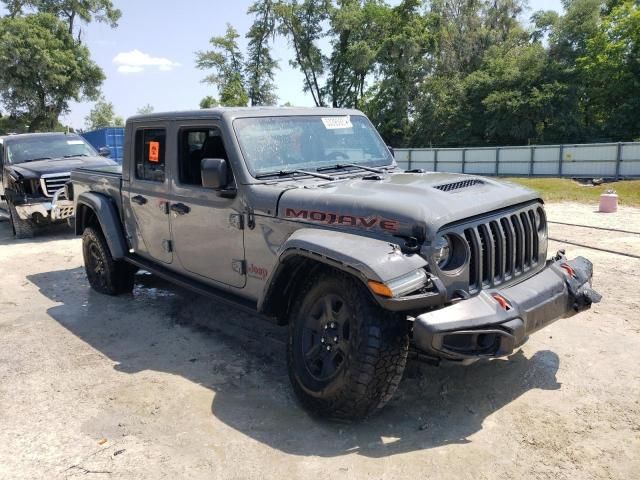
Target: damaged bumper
495, 322
55, 210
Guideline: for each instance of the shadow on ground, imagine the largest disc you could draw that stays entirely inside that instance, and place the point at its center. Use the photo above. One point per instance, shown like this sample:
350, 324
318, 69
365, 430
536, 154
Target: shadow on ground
240, 358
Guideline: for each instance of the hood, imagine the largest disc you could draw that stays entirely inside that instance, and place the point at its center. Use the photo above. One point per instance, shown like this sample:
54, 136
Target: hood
58, 165
405, 204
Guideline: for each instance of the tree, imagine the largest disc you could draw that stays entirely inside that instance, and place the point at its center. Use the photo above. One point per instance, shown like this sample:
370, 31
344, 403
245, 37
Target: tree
102, 115
610, 71
208, 102
43, 68
227, 62
145, 110
70, 11
260, 64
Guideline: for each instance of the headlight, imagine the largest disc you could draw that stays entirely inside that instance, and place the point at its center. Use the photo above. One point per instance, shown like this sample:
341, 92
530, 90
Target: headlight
400, 286
442, 251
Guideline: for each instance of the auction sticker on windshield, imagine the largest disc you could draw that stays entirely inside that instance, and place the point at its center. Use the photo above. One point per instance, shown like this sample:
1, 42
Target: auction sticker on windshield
75, 142
334, 123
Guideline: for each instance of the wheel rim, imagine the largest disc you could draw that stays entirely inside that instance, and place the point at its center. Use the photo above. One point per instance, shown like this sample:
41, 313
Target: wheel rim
326, 336
97, 265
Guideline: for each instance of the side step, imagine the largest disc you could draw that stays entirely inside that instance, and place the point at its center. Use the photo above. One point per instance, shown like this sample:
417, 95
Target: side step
198, 287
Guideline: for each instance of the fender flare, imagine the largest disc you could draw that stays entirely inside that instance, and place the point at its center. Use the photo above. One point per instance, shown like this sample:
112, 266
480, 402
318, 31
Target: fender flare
364, 257
109, 219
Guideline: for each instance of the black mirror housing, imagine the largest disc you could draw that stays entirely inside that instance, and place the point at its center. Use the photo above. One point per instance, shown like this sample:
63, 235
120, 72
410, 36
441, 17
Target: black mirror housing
104, 152
214, 173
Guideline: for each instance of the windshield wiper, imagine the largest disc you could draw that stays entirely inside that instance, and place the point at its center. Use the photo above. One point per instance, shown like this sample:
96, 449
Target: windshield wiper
341, 166
76, 155
284, 173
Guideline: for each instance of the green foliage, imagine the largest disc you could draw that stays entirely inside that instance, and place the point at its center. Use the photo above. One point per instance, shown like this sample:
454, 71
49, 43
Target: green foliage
209, 102
145, 110
227, 62
260, 65
43, 68
102, 115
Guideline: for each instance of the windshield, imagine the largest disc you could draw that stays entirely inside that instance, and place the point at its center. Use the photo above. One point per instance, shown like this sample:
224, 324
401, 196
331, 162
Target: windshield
47, 147
278, 144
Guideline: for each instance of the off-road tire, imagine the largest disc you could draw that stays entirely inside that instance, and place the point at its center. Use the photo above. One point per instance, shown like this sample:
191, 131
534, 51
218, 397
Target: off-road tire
106, 275
371, 370
21, 228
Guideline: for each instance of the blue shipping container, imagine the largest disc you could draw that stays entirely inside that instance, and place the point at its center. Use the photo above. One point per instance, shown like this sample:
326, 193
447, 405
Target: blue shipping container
112, 137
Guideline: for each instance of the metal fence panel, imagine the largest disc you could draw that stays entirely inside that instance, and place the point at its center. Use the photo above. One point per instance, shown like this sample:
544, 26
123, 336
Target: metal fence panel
588, 160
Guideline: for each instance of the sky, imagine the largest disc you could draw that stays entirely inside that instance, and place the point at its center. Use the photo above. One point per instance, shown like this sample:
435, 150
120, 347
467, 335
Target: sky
150, 57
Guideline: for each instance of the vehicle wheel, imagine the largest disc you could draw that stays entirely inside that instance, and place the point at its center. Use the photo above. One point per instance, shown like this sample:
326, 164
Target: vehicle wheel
345, 354
105, 274
21, 228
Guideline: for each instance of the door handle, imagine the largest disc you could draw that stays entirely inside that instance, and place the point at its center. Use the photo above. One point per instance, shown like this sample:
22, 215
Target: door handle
180, 208
139, 199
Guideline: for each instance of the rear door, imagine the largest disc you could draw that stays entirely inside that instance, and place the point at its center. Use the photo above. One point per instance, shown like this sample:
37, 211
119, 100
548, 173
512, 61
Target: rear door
206, 228
145, 194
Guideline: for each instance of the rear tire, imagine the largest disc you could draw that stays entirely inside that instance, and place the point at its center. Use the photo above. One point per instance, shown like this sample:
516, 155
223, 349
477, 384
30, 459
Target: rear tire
21, 228
345, 354
106, 275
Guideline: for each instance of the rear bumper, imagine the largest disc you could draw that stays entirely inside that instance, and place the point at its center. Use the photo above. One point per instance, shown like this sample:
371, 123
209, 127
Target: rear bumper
486, 326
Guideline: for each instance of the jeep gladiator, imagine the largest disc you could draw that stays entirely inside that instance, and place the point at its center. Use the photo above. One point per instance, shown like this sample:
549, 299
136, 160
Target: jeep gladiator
33, 171
303, 216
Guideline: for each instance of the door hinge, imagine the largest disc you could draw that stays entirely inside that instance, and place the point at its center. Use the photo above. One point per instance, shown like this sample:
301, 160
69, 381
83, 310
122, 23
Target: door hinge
237, 220
239, 266
251, 219
167, 245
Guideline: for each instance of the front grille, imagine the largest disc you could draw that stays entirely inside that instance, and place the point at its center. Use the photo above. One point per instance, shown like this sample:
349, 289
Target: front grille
503, 248
448, 187
53, 182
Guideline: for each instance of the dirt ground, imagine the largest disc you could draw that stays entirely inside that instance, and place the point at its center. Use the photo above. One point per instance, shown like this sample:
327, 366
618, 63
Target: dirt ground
166, 384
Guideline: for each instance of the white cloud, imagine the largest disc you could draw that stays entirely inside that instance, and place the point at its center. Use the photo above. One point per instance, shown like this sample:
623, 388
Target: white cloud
136, 61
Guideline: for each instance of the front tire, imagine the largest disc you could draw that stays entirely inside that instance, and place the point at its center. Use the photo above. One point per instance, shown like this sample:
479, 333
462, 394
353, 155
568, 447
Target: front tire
345, 354
106, 275
21, 228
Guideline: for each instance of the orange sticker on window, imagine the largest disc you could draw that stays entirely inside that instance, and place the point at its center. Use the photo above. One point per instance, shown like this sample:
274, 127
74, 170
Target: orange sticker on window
154, 152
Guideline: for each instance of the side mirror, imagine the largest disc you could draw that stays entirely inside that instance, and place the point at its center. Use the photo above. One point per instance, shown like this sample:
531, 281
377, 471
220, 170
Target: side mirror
392, 151
104, 152
214, 173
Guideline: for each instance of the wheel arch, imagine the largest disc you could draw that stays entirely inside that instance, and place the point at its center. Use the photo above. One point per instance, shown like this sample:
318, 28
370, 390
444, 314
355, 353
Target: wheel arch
309, 250
97, 210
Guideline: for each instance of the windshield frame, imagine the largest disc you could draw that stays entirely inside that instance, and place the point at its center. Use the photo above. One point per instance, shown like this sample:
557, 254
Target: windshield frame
388, 161
9, 142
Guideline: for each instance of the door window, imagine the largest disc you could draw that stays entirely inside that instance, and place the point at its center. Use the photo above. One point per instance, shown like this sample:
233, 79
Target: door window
149, 154
195, 145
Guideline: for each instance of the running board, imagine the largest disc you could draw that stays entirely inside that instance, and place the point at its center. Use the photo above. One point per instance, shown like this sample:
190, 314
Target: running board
198, 287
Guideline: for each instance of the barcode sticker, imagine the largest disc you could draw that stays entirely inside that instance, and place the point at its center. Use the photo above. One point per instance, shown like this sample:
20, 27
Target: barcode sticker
334, 123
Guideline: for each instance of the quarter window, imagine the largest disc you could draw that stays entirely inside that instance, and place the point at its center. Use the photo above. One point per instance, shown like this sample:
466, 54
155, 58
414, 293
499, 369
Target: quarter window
149, 154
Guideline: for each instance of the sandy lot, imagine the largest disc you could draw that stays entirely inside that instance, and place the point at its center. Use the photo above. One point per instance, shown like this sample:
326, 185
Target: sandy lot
166, 384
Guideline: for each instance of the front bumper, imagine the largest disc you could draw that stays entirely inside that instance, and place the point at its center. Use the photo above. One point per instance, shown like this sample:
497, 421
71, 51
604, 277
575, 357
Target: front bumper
56, 210
495, 322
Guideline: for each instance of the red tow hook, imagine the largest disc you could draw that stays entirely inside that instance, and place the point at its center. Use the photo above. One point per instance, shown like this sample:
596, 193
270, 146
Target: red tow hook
570, 271
501, 301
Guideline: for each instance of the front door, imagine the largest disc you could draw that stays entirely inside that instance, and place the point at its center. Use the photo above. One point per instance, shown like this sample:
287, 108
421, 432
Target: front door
145, 195
206, 228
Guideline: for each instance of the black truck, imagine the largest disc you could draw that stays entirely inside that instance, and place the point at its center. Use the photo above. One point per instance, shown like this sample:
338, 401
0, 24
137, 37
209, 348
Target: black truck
33, 170
303, 216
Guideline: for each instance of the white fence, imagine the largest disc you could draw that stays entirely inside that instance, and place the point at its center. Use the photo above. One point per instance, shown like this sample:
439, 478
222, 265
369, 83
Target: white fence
608, 160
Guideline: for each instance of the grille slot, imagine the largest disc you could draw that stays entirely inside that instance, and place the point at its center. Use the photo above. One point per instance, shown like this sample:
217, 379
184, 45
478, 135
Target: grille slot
51, 183
448, 187
502, 249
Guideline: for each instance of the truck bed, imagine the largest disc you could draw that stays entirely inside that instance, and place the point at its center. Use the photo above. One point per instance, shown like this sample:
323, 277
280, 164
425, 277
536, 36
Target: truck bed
105, 180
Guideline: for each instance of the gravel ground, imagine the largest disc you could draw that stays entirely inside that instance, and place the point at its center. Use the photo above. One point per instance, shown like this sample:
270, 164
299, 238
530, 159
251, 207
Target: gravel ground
166, 384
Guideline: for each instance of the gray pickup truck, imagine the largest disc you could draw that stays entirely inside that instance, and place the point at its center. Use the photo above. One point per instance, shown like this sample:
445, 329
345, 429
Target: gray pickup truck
303, 216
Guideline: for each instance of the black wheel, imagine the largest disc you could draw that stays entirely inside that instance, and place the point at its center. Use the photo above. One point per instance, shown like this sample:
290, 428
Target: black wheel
21, 228
345, 354
105, 274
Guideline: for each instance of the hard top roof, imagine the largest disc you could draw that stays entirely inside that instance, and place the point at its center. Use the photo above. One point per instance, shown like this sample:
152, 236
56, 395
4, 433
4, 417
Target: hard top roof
28, 136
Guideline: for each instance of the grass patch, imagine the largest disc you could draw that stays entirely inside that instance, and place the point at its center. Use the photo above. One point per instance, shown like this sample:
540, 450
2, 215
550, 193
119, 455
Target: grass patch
567, 190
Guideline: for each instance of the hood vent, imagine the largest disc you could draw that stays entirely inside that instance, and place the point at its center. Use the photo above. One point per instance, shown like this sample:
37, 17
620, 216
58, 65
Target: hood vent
448, 187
